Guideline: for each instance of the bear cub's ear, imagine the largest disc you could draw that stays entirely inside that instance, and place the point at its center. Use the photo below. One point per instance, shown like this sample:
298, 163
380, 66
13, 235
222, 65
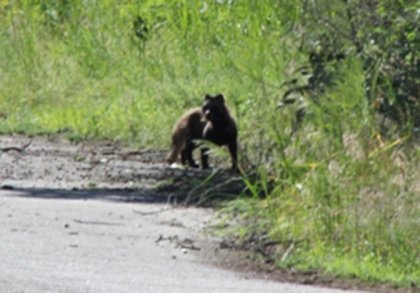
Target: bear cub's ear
219, 98
207, 97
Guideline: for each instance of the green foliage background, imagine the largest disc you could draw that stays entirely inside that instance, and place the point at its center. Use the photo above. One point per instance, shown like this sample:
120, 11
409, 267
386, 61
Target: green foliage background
340, 186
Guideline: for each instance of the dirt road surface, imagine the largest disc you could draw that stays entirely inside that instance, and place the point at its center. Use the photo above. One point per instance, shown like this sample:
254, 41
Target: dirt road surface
90, 218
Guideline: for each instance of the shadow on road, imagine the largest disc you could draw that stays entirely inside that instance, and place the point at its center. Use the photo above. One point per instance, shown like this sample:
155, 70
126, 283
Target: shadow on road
184, 188
115, 194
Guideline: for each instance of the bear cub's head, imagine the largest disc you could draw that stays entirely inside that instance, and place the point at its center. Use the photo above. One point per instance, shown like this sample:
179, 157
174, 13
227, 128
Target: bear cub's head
214, 108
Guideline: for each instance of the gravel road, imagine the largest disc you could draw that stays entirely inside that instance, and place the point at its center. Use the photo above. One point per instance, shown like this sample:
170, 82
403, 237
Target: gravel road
90, 218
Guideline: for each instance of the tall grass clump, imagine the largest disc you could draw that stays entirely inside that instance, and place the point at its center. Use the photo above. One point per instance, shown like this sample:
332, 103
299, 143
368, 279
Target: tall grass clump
324, 93
342, 198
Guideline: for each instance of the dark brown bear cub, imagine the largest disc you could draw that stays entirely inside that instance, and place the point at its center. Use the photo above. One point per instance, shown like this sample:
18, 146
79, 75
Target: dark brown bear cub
211, 122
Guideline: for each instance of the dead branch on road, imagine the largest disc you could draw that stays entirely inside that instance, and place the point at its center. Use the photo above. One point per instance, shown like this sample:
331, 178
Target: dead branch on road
15, 148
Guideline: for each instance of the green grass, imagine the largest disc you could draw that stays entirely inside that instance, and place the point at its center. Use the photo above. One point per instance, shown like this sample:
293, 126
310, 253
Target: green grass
87, 73
345, 196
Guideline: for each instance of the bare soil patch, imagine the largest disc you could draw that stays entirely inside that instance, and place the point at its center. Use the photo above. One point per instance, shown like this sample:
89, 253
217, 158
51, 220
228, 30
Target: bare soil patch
107, 169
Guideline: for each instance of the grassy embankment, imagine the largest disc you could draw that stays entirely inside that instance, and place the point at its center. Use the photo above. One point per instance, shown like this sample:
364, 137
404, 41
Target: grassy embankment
344, 199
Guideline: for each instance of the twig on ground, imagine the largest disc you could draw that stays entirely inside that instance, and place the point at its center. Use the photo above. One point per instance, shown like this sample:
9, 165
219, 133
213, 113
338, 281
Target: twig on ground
152, 212
97, 223
15, 148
